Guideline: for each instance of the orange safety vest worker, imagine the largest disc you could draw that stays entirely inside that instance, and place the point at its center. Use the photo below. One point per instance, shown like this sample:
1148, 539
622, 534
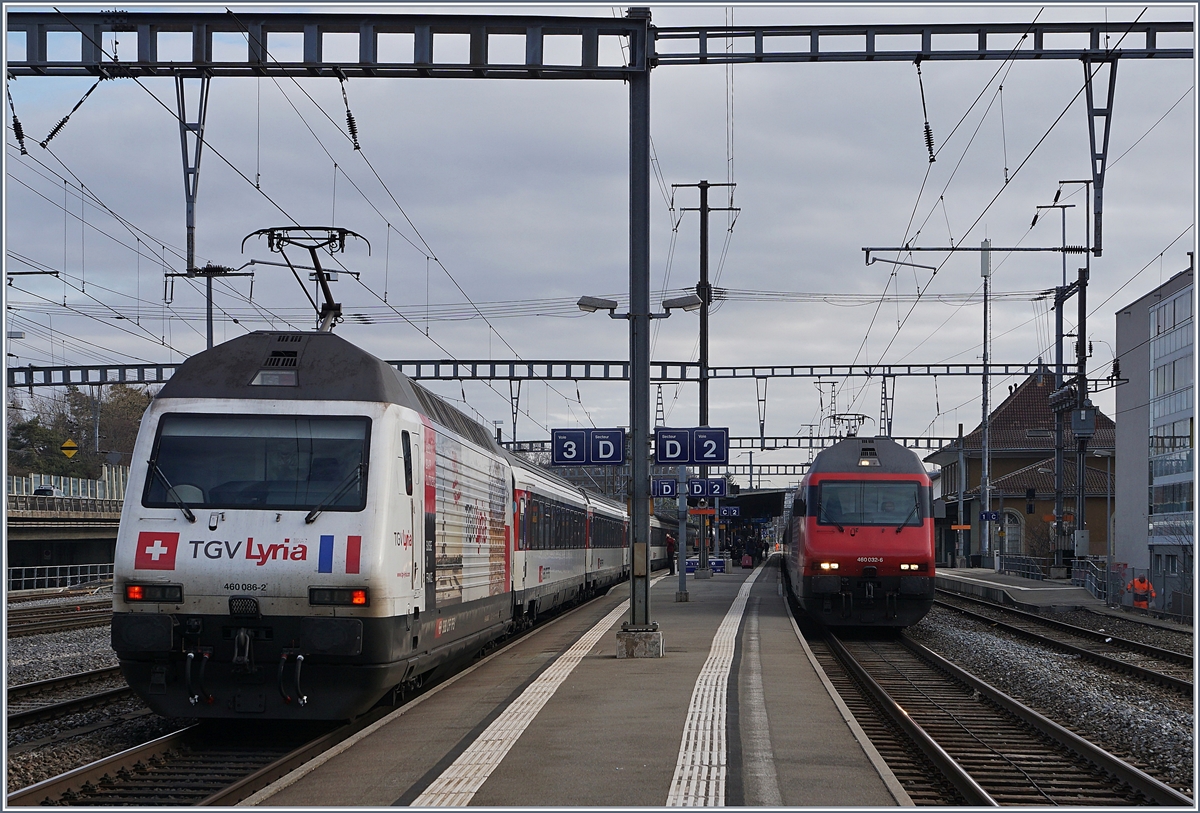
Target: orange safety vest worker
1142, 591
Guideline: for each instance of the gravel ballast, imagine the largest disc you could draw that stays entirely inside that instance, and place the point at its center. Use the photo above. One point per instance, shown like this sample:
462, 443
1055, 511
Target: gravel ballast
1147, 725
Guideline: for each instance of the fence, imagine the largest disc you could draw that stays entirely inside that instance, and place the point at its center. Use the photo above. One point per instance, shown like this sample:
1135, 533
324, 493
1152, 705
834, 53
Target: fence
1030, 567
1173, 595
1089, 574
51, 576
63, 505
110, 486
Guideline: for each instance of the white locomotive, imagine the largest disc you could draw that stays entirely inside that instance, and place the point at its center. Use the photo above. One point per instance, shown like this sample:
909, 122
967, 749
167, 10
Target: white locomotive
306, 530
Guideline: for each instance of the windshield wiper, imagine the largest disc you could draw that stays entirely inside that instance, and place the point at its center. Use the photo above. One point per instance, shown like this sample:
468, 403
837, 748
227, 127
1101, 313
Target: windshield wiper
187, 512
335, 495
822, 517
916, 505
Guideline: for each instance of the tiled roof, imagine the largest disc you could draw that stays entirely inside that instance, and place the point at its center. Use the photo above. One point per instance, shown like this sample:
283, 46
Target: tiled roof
1040, 476
1024, 422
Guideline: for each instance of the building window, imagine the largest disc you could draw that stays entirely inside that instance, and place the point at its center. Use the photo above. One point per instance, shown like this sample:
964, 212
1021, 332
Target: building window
1172, 563
1158, 563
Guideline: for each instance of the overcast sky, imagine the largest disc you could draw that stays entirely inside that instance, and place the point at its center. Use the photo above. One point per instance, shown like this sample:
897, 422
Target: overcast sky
520, 191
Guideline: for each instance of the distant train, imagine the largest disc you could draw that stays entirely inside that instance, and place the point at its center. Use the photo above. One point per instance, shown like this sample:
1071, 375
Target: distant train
307, 530
860, 536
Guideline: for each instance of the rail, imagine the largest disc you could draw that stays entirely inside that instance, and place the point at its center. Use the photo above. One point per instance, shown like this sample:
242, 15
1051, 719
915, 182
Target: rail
55, 576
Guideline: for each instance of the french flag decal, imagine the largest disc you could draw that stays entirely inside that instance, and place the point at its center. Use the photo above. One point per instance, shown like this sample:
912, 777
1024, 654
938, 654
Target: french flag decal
325, 555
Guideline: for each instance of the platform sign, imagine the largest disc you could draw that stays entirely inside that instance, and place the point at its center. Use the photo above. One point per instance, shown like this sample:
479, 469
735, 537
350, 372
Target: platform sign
699, 446
730, 511
989, 516
710, 487
587, 447
606, 447
710, 447
672, 446
664, 488
568, 447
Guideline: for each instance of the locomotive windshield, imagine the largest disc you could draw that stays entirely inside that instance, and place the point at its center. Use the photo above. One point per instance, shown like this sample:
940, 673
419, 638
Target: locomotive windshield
869, 502
267, 462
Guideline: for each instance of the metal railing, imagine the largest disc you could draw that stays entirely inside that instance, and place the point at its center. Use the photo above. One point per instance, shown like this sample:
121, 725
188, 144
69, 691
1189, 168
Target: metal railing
52, 576
1029, 567
63, 505
1089, 574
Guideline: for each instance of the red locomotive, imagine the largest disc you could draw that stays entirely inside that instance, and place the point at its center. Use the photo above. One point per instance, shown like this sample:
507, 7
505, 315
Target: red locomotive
861, 536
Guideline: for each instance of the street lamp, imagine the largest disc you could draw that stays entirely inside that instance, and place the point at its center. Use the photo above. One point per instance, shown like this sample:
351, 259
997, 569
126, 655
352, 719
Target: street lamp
640, 633
591, 304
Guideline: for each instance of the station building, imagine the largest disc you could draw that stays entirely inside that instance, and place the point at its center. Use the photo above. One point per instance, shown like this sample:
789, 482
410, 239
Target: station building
1021, 455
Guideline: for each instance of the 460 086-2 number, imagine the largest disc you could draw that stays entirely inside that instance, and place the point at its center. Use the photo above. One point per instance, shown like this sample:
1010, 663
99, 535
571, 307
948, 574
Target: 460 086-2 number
243, 588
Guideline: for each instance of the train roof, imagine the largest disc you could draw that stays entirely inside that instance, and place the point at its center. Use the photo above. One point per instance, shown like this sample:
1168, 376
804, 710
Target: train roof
327, 367
844, 456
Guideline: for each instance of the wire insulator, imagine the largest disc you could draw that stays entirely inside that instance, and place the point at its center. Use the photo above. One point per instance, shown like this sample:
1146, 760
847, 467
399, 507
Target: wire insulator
929, 142
54, 132
18, 130
352, 126
20, 133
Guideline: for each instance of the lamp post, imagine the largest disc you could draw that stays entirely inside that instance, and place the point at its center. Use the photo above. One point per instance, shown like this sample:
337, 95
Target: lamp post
639, 636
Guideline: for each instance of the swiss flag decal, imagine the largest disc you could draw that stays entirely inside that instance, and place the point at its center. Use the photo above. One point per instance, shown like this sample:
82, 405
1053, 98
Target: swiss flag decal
156, 550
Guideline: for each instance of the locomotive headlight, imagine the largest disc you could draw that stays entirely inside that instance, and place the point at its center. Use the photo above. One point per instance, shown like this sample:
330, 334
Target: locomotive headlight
165, 593
829, 565
347, 596
912, 567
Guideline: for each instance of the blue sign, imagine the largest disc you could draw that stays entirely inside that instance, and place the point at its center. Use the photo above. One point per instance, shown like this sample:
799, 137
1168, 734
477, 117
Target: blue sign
568, 447
729, 511
587, 447
714, 564
606, 447
711, 487
710, 447
664, 488
672, 446
989, 516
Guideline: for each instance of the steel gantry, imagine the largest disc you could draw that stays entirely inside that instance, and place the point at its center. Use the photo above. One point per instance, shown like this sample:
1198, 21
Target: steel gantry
645, 47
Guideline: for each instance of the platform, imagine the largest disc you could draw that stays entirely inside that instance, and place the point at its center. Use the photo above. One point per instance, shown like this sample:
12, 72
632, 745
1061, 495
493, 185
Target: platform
1016, 591
556, 719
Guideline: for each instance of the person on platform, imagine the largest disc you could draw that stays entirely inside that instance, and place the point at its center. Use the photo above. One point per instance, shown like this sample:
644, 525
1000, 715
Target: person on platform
671, 554
1143, 592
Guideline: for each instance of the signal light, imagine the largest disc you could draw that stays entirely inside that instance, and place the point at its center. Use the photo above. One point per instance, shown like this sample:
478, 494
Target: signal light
343, 596
164, 593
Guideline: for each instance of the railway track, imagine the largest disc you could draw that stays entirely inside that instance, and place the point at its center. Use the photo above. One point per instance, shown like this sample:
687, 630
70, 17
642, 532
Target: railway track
214, 763
990, 748
199, 765
30, 703
1162, 666
89, 612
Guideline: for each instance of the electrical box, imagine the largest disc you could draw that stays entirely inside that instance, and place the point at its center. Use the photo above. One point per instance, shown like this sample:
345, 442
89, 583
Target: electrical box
1083, 422
1083, 543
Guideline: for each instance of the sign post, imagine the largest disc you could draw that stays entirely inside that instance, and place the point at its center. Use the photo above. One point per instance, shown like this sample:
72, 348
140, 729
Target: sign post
681, 594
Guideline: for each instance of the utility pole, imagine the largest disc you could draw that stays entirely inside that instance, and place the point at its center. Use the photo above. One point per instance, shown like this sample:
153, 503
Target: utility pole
985, 488
704, 291
962, 488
